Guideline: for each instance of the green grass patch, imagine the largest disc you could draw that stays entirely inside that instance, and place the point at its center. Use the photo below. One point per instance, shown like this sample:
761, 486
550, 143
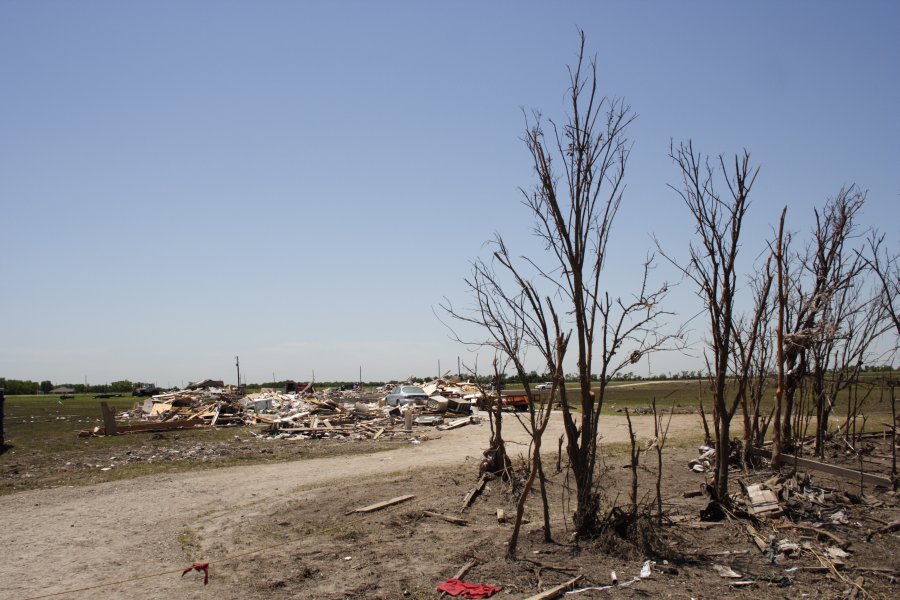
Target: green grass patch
44, 450
687, 394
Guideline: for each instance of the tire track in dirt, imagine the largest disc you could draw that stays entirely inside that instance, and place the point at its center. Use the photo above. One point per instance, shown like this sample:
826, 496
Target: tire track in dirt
71, 537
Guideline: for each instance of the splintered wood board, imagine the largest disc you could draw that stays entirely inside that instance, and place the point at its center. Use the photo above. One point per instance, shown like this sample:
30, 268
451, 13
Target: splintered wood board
763, 501
380, 505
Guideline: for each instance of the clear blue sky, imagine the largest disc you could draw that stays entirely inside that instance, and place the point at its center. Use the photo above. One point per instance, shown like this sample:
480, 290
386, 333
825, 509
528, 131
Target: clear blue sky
301, 183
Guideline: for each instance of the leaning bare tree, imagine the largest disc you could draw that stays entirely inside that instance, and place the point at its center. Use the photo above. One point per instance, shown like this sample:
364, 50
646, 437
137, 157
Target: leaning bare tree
712, 267
517, 318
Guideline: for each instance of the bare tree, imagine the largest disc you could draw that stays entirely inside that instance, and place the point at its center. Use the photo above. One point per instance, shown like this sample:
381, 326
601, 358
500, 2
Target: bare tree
517, 318
712, 267
574, 206
660, 434
811, 283
886, 267
850, 324
496, 460
759, 362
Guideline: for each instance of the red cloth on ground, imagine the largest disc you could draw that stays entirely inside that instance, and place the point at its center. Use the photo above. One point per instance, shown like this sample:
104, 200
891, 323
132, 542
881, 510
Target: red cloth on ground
455, 587
199, 567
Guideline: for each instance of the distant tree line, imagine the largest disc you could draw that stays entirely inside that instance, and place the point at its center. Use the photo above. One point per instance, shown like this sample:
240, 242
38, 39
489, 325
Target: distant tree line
26, 386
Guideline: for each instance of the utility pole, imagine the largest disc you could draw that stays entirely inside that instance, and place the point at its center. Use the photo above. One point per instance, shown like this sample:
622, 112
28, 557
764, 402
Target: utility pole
237, 363
360, 375
458, 368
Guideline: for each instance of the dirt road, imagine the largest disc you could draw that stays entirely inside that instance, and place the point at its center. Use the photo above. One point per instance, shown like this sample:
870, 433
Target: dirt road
67, 538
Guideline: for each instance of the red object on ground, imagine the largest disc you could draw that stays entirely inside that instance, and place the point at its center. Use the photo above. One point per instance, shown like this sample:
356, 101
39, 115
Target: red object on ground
455, 587
199, 567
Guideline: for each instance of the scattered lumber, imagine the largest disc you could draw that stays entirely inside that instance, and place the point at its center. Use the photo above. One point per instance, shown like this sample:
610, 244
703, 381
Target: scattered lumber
302, 414
836, 539
842, 472
758, 539
380, 505
554, 592
763, 501
456, 423
889, 528
146, 427
462, 572
470, 497
312, 429
448, 518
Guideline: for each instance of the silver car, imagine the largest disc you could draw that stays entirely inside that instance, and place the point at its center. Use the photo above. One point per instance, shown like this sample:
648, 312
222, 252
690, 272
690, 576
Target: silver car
405, 394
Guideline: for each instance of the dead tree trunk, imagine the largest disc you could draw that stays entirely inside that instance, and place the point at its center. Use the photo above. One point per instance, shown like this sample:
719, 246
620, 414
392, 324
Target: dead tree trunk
580, 168
712, 267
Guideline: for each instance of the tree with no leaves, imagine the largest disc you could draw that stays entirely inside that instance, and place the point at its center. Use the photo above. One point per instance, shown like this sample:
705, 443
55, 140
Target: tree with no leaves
517, 318
886, 267
828, 324
712, 267
580, 169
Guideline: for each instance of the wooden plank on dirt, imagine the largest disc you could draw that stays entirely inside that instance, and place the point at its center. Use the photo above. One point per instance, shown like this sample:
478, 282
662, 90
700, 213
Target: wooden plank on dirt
456, 423
832, 537
448, 518
555, 591
378, 434
465, 569
380, 505
473, 492
842, 472
162, 426
462, 572
758, 539
148, 427
319, 429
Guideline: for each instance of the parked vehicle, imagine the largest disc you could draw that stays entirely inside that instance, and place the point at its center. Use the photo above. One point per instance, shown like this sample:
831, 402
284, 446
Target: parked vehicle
405, 394
544, 386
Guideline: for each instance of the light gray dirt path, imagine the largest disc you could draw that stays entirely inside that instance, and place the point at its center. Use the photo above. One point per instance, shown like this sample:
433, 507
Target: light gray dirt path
72, 537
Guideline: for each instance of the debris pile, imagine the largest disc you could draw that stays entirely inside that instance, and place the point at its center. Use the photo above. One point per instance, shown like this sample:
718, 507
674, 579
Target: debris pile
343, 412
215, 406
705, 461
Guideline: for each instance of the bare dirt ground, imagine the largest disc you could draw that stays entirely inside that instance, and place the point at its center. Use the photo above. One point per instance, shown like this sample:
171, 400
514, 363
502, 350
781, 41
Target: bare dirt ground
281, 530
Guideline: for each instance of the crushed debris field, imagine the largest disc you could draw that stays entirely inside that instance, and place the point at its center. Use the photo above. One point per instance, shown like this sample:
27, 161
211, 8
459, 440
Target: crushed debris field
358, 523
